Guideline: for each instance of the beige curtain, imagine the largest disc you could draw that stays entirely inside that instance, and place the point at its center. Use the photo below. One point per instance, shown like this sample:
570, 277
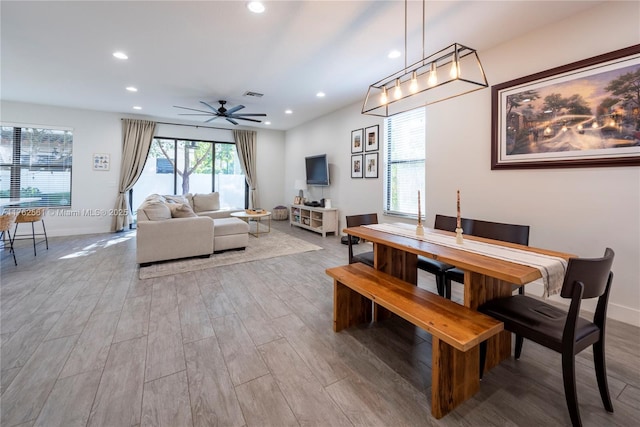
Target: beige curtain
136, 141
246, 146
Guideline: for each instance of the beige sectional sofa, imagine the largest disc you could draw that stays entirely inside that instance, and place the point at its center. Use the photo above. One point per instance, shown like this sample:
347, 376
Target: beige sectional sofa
172, 227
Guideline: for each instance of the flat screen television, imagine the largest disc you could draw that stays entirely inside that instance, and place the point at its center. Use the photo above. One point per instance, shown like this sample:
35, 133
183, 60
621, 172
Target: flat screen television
317, 170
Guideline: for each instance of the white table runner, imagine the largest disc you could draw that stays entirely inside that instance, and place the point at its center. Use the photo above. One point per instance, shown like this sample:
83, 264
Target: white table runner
551, 268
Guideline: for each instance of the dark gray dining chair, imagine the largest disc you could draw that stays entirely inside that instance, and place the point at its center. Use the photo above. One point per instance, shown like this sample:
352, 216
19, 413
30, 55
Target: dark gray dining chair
438, 268
511, 233
564, 332
356, 221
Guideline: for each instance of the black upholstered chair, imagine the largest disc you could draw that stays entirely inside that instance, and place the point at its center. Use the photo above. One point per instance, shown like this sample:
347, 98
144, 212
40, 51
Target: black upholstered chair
438, 268
564, 332
356, 221
511, 233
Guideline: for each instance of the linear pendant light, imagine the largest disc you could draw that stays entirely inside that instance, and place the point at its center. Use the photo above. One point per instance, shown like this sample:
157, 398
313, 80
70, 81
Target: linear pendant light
453, 71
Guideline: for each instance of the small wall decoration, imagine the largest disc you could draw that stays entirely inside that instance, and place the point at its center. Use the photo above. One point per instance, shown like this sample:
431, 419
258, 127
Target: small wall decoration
101, 162
371, 165
371, 138
356, 166
356, 141
582, 114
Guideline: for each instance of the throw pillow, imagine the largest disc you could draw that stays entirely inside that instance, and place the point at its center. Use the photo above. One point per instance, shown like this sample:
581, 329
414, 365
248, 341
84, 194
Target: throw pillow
181, 210
206, 202
176, 199
157, 211
155, 198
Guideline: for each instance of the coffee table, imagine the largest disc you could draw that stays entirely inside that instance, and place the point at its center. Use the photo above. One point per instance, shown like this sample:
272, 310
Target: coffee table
255, 217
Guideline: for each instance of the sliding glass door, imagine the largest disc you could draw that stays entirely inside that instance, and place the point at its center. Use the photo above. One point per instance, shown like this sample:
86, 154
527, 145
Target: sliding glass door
178, 166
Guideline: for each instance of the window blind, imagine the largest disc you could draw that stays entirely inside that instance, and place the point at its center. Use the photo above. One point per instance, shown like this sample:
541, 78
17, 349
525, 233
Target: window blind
36, 164
405, 163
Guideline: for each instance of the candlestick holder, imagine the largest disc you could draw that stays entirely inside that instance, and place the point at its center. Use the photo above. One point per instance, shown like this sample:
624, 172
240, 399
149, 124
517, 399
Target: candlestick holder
459, 236
419, 228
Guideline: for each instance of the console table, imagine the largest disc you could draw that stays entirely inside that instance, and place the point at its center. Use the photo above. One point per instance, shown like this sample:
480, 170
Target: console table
320, 220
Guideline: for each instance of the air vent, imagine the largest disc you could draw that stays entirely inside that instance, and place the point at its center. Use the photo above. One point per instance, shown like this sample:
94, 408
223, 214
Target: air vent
254, 94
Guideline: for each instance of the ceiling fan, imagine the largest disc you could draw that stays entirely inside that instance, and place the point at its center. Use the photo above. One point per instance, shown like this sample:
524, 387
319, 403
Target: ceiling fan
230, 114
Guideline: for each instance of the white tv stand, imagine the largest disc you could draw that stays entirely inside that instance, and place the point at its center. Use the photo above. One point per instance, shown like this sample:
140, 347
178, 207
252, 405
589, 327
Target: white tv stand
320, 220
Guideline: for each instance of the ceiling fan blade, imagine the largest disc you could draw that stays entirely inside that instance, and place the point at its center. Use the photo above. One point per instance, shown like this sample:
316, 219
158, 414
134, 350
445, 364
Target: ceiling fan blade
232, 121
249, 120
249, 114
196, 114
211, 119
214, 109
234, 109
193, 109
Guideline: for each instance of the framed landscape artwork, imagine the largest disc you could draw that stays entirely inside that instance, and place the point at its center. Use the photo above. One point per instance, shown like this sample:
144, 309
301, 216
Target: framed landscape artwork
356, 141
371, 165
356, 166
583, 114
371, 138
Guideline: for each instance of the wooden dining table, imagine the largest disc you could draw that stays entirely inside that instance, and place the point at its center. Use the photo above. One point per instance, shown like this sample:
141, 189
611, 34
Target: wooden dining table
485, 277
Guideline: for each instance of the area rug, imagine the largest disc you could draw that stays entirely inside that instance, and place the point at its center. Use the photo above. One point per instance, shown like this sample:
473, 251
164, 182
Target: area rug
268, 245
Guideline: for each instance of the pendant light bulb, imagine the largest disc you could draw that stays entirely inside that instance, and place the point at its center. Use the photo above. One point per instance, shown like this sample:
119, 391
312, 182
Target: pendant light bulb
433, 76
454, 73
397, 92
455, 65
413, 87
383, 97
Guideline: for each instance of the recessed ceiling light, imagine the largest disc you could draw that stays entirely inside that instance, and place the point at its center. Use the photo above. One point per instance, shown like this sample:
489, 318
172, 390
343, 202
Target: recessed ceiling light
267, 123
320, 94
120, 55
137, 107
394, 54
132, 89
255, 6
288, 112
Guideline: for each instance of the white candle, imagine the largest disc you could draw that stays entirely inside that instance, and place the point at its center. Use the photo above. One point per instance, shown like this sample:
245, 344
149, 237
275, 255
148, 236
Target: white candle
419, 212
458, 217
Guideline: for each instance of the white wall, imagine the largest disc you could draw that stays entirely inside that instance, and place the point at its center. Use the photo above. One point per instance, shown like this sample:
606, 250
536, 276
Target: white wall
580, 211
100, 132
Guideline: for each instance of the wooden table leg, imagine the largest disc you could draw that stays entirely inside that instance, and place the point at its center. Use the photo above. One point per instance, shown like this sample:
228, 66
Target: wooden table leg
454, 376
349, 307
478, 289
398, 263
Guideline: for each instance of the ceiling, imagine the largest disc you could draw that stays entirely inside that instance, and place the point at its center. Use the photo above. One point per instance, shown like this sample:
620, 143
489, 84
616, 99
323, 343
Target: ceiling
183, 52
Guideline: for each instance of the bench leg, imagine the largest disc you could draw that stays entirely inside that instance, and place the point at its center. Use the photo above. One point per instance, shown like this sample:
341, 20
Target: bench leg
454, 377
349, 307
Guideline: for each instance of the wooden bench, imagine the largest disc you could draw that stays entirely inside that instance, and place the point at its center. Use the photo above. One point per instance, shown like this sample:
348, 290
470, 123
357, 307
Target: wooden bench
457, 330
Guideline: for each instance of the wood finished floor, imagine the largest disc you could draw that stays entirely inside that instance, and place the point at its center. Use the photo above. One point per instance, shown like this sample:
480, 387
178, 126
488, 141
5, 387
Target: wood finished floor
84, 342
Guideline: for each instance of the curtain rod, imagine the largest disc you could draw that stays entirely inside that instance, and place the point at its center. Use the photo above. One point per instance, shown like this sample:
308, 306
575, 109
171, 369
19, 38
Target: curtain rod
193, 126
